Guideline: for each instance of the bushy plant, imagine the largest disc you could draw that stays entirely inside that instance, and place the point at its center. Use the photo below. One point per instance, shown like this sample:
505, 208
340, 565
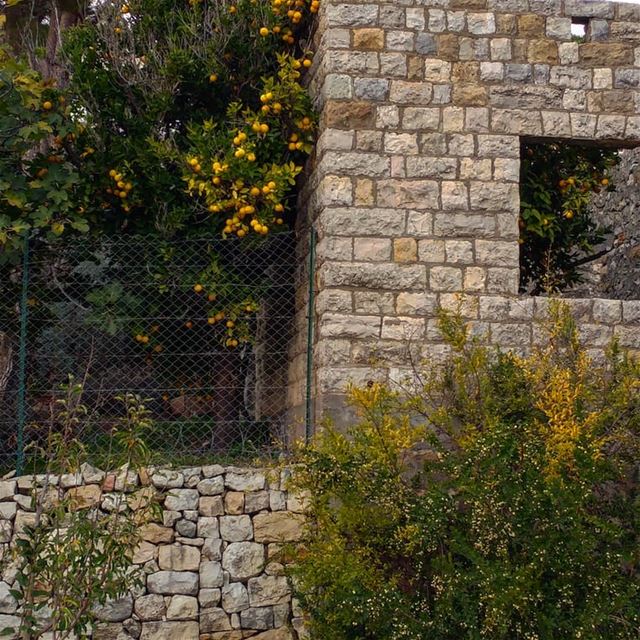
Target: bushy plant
77, 552
500, 501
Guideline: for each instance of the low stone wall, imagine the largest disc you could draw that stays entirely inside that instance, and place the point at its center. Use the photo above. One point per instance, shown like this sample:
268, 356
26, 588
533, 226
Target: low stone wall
211, 565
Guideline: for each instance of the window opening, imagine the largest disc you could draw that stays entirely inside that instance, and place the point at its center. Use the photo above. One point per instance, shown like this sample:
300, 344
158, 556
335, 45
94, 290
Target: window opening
579, 220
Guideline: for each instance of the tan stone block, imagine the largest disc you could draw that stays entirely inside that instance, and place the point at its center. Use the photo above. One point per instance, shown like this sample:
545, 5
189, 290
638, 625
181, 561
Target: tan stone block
234, 503
531, 25
368, 39
178, 557
543, 52
613, 101
364, 192
448, 47
349, 115
466, 71
470, 95
595, 54
468, 4
279, 526
155, 533
405, 250
211, 506
144, 552
505, 23
84, 497
415, 68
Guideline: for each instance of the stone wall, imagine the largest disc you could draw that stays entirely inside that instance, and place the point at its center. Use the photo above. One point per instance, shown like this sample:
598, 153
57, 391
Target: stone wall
414, 185
617, 273
211, 565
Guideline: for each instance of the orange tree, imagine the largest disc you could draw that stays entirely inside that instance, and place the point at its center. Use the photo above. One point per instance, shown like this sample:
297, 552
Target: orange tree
557, 229
174, 118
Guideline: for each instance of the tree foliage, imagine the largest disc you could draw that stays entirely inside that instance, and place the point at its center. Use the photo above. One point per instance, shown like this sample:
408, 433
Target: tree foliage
147, 100
557, 229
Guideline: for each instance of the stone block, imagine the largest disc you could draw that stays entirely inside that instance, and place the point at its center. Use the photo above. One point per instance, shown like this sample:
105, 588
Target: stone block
481, 23
257, 618
173, 582
268, 590
405, 250
543, 52
415, 304
431, 250
458, 251
211, 506
349, 326
368, 39
181, 499
256, 501
428, 167
236, 528
349, 115
391, 276
278, 527
351, 15
8, 488
206, 527
596, 54
607, 311
376, 89
245, 480
235, 597
371, 249
178, 557
170, 631
243, 559
531, 25
150, 607
558, 27
211, 575
182, 608
404, 329
445, 278
437, 70
411, 93
454, 196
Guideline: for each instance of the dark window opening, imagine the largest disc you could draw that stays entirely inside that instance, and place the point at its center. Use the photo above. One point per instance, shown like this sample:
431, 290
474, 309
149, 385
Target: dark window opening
579, 220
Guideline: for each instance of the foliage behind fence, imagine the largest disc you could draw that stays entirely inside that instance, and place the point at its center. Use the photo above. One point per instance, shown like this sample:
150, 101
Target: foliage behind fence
198, 328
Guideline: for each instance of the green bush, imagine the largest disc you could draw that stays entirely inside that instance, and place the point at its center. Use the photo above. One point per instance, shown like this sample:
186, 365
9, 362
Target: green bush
511, 512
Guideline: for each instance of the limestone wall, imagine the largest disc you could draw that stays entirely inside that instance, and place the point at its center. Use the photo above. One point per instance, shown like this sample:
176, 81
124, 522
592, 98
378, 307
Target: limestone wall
414, 185
211, 566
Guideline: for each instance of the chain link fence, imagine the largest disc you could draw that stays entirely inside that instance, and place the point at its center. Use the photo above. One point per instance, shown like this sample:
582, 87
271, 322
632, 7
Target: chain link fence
199, 329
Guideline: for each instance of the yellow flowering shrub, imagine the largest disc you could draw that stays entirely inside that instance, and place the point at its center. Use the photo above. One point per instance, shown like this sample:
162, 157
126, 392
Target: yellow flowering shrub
498, 501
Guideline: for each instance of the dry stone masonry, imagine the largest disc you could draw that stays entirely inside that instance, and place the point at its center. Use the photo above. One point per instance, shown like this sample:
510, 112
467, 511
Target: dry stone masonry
414, 188
211, 566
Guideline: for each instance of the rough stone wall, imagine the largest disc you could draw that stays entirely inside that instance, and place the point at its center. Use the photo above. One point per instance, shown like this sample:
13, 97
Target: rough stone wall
414, 185
211, 566
617, 273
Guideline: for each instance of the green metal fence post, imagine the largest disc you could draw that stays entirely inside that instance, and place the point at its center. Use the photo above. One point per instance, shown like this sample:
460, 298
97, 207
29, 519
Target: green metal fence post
310, 317
22, 357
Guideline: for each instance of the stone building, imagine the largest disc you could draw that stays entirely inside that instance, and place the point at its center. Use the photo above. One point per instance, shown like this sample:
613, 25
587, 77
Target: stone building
414, 187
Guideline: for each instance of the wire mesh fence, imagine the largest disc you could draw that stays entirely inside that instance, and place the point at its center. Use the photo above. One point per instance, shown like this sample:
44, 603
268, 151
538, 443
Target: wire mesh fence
199, 329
